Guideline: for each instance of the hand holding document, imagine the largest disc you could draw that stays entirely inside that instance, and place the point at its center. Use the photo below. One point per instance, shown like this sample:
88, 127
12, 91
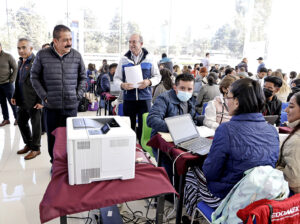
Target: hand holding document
134, 75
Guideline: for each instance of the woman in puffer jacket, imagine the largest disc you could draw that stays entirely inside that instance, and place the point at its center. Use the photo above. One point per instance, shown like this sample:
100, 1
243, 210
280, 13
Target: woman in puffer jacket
244, 142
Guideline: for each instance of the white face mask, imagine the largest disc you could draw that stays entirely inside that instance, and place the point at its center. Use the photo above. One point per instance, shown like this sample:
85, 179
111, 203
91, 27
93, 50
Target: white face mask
293, 124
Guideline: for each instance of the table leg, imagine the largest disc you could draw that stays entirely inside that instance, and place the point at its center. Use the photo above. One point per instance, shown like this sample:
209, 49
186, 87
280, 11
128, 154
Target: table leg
180, 201
158, 158
160, 210
63, 219
105, 107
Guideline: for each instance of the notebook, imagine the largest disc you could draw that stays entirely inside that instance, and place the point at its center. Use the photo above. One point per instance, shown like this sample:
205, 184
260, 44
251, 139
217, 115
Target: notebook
186, 136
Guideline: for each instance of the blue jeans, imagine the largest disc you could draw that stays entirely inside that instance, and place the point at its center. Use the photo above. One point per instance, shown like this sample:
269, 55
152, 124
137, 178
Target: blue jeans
6, 92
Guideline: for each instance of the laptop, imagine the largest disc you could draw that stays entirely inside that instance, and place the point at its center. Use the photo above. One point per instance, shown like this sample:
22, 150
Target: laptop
186, 136
271, 119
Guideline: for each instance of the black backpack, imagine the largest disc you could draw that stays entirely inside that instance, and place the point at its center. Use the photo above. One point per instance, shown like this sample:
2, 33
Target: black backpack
83, 104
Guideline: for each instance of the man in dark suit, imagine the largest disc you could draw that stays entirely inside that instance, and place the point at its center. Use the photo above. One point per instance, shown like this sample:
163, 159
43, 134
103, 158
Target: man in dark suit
28, 101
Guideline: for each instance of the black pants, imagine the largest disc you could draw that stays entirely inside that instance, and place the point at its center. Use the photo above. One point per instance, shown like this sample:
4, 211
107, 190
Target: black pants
133, 108
31, 139
43, 121
56, 118
6, 92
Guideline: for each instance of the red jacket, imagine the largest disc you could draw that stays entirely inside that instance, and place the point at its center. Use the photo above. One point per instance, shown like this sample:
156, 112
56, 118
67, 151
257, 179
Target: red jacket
270, 211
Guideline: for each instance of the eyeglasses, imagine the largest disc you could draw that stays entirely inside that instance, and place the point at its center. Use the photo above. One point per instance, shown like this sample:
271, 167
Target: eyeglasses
133, 42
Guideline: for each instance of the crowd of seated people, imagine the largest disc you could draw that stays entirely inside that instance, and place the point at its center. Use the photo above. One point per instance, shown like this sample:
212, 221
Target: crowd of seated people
235, 147
237, 102
237, 113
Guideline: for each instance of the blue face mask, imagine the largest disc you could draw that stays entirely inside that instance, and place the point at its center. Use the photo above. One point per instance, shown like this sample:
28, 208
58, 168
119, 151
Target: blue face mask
183, 96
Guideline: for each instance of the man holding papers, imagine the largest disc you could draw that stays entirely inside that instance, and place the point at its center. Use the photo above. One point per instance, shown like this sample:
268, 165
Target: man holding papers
136, 73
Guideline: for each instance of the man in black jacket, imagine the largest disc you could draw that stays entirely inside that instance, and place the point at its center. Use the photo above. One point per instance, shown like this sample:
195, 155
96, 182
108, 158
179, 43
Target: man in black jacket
58, 76
272, 85
28, 101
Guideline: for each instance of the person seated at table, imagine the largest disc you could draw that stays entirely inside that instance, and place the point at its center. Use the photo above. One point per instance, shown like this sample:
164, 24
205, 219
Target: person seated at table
295, 84
216, 111
284, 90
164, 85
107, 78
207, 92
272, 105
244, 142
176, 101
289, 158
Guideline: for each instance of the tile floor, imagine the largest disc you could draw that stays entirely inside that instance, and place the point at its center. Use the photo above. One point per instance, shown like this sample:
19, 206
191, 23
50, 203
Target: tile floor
23, 183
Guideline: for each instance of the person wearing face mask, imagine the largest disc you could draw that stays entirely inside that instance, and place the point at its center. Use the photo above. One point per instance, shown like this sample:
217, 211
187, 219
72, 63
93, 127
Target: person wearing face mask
244, 142
176, 101
289, 158
272, 105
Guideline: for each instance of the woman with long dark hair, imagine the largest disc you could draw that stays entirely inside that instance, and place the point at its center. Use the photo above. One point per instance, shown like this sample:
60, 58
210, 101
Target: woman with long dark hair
289, 160
244, 142
207, 92
164, 85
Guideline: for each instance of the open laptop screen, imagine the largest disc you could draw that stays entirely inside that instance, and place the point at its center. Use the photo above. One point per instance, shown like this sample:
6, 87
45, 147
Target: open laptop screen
181, 128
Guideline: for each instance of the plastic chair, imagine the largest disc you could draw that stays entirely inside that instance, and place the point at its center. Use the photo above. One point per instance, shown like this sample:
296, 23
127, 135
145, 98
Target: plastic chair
283, 118
284, 106
120, 109
204, 210
146, 133
203, 108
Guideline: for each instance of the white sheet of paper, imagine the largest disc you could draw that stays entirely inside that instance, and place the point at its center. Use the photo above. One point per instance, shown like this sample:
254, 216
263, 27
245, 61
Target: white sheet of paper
205, 131
134, 75
166, 136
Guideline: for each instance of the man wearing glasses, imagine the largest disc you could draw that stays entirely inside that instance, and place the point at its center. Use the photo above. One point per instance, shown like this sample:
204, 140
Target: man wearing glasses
137, 98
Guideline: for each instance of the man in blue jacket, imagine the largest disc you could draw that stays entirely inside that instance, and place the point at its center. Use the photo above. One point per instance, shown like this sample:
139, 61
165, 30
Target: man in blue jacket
137, 101
58, 76
171, 103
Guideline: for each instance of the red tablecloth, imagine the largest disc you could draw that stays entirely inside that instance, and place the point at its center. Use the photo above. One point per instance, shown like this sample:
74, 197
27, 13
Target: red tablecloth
285, 130
61, 198
109, 97
184, 161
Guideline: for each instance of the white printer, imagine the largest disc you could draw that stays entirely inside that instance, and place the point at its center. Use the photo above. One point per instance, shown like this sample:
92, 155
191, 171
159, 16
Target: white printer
100, 148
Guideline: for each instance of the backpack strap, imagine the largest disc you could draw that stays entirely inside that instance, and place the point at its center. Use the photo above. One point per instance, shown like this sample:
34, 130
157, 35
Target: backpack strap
270, 214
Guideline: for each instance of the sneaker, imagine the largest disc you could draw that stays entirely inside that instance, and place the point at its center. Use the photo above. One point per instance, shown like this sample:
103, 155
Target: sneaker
4, 122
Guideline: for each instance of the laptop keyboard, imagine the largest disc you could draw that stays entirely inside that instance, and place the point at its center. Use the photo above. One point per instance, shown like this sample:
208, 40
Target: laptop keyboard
196, 144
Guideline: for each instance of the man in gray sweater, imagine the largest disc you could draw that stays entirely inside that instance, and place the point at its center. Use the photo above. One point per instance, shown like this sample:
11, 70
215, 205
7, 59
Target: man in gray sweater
58, 77
8, 73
